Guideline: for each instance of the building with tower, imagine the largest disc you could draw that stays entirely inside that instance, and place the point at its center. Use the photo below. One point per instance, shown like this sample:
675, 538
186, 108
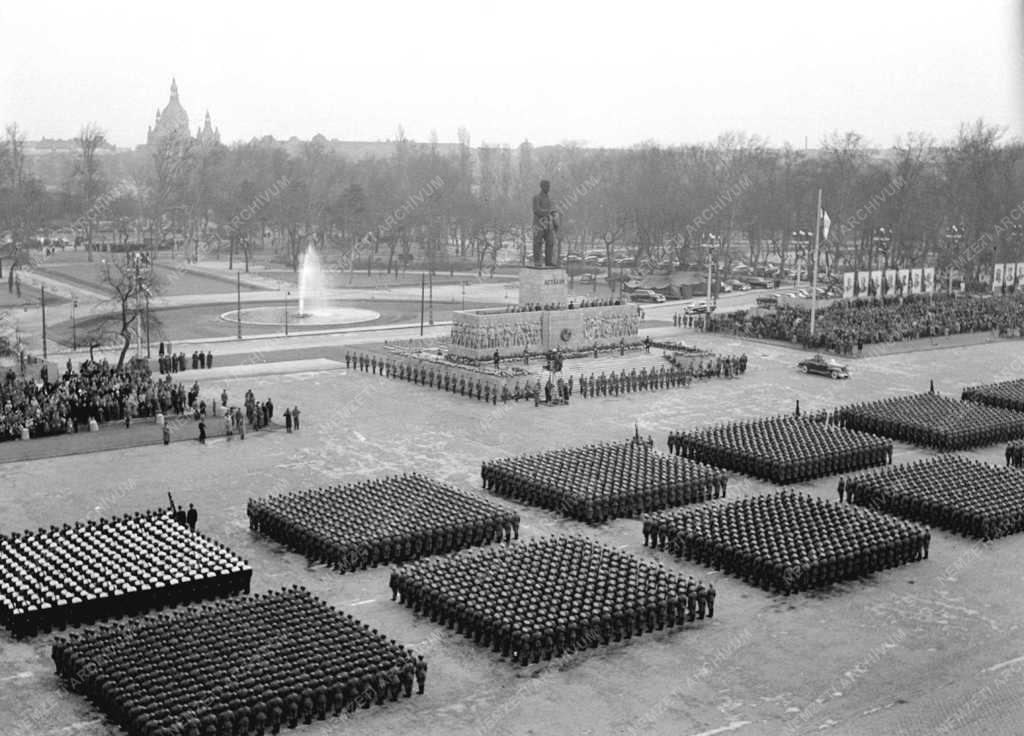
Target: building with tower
173, 121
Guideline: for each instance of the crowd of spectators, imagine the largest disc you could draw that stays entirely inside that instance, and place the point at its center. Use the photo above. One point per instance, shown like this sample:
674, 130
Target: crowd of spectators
846, 326
97, 391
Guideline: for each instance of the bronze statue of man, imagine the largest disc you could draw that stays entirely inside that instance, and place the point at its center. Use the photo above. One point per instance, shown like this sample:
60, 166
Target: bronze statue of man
545, 224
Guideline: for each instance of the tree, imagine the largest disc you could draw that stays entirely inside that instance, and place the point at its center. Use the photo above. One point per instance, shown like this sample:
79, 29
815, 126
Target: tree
87, 172
128, 282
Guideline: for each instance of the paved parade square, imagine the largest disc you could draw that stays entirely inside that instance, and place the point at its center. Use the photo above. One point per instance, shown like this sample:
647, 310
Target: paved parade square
768, 659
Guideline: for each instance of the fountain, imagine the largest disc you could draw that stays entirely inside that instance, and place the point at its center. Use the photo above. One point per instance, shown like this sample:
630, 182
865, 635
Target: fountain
311, 284
315, 309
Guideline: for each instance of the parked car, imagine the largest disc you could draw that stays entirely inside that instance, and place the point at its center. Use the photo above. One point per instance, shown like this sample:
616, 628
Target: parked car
646, 295
624, 262
738, 285
822, 366
724, 287
768, 301
587, 278
573, 258
695, 307
759, 282
591, 258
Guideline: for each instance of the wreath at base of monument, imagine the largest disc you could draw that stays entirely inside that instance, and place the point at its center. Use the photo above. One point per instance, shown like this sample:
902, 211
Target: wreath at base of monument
566, 334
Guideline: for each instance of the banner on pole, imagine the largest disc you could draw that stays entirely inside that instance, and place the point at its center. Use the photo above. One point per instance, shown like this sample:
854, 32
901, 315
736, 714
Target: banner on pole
915, 281
890, 282
849, 280
862, 284
997, 277
928, 286
875, 284
903, 283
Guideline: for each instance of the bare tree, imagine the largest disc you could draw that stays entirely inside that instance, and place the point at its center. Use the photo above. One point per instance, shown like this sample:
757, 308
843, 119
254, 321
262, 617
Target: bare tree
129, 282
87, 171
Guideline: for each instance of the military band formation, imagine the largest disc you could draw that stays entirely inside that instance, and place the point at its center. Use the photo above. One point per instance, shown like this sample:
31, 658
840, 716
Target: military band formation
956, 493
68, 575
381, 521
787, 541
932, 420
785, 449
596, 483
246, 665
547, 597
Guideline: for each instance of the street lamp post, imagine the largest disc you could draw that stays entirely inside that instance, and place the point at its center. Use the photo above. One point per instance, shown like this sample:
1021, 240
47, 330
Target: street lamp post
954, 235
880, 239
711, 245
286, 295
42, 298
74, 325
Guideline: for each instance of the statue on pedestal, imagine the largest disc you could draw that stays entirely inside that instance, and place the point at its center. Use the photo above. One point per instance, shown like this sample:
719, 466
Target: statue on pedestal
545, 225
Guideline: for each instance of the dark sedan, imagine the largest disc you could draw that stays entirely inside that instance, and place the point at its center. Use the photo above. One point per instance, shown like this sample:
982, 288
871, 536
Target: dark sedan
823, 366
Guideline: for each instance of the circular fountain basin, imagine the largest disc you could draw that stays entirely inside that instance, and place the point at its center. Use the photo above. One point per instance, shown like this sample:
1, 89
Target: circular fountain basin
320, 317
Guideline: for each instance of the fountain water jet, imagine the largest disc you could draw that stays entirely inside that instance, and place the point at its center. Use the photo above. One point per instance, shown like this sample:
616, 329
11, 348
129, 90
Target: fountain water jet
311, 283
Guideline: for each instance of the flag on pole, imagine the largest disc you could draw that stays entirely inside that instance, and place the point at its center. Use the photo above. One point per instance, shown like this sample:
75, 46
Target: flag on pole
826, 224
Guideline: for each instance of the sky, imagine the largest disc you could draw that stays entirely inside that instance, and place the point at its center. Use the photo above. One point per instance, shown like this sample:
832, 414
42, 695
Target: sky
598, 73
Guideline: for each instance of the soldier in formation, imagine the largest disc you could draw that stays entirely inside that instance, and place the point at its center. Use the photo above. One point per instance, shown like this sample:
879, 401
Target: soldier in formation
787, 541
247, 665
432, 375
934, 421
783, 449
547, 597
596, 483
381, 521
112, 567
1005, 395
953, 492
1015, 454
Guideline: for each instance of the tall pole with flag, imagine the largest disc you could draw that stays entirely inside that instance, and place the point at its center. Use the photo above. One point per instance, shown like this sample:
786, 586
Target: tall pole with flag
821, 227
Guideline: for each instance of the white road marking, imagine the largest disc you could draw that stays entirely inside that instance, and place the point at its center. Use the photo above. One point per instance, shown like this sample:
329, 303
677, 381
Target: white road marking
360, 603
1007, 663
19, 676
731, 727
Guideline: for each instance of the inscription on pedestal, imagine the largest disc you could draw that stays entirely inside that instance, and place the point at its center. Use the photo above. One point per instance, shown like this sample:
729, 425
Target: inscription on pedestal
543, 286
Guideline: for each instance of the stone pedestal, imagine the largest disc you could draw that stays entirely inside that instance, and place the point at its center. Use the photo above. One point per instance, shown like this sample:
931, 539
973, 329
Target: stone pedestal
478, 333
547, 285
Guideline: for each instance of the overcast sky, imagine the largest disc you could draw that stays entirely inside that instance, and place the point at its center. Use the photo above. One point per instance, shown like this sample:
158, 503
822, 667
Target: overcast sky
601, 73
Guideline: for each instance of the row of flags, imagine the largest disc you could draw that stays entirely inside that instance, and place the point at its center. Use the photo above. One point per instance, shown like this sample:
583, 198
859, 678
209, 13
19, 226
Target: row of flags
1007, 276
889, 282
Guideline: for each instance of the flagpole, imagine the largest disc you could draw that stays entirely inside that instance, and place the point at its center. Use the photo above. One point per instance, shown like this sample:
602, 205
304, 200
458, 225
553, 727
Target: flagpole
814, 267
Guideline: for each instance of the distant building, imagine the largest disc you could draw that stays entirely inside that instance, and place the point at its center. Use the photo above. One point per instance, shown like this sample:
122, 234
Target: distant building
173, 121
